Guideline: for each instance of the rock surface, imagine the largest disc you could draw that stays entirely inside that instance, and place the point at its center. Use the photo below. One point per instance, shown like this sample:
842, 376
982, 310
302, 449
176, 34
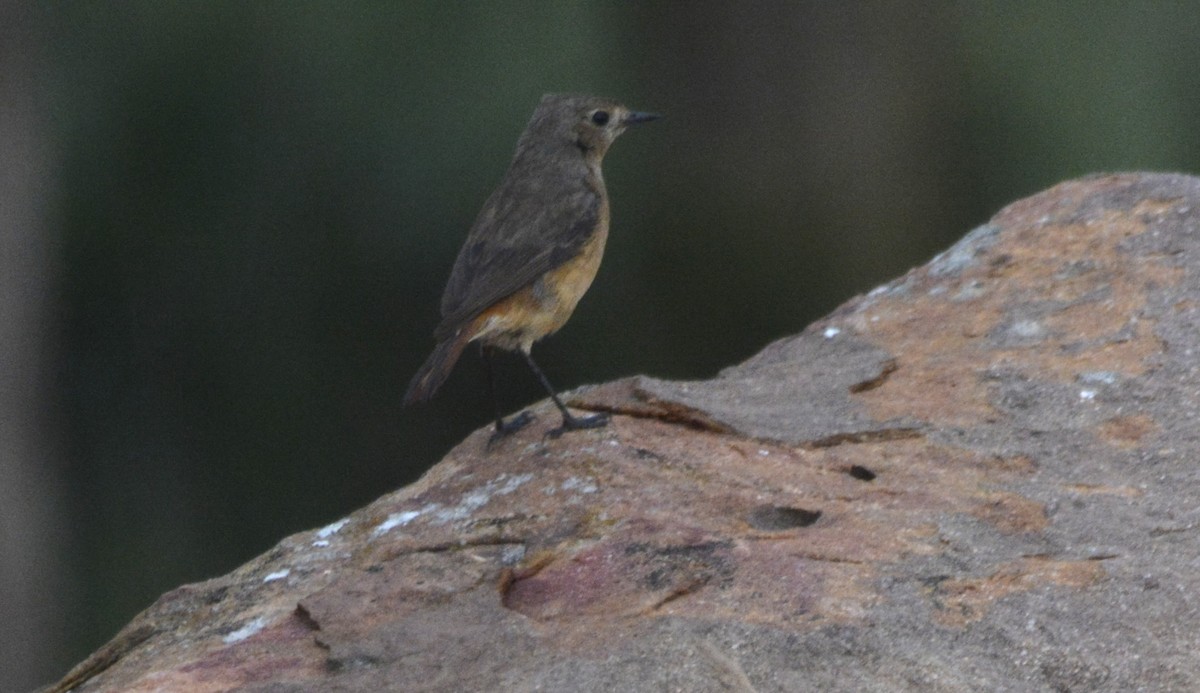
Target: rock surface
981, 476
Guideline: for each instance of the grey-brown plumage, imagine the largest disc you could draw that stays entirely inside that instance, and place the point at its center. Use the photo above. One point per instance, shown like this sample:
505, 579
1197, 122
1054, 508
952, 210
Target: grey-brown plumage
535, 247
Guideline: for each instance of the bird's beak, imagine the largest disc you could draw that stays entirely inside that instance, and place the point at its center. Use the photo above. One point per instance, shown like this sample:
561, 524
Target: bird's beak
634, 117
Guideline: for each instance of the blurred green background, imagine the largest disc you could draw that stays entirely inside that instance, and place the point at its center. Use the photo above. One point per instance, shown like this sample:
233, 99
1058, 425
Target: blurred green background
226, 227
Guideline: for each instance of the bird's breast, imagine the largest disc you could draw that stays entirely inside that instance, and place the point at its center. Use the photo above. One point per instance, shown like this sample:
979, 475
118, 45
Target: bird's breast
544, 306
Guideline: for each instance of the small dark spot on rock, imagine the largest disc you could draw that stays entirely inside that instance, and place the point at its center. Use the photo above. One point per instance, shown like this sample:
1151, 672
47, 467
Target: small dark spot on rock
306, 618
656, 578
644, 454
376, 568
215, 596
861, 473
351, 662
684, 566
933, 581
776, 517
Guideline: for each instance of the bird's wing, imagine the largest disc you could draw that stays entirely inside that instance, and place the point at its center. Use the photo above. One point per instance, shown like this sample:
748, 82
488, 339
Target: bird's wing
519, 236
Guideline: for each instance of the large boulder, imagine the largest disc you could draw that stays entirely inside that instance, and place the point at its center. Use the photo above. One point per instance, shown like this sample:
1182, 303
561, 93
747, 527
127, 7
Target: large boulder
981, 476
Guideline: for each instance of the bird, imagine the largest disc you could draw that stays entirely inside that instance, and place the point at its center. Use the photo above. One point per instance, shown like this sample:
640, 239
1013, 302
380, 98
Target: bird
532, 251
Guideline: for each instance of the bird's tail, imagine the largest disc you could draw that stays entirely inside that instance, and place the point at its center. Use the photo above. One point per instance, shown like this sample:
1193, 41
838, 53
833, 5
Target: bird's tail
436, 368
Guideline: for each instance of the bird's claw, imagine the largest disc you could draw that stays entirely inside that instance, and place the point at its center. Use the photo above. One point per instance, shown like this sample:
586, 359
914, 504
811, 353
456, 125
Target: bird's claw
576, 423
506, 428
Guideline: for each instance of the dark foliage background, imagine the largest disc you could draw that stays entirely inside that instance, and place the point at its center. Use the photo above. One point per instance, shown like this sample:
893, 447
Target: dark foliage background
244, 214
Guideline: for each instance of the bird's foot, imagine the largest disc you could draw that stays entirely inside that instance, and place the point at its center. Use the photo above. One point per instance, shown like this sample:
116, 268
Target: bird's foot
575, 423
507, 428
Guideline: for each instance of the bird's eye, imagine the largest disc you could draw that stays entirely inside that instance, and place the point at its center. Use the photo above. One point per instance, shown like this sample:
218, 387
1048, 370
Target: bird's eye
600, 117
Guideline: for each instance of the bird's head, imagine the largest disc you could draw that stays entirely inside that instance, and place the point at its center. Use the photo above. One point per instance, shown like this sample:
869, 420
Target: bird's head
587, 122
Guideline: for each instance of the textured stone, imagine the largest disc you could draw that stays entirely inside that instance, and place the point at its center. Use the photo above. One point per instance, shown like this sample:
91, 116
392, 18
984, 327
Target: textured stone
981, 476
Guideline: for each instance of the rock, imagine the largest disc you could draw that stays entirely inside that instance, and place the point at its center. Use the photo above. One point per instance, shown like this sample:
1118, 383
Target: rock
981, 476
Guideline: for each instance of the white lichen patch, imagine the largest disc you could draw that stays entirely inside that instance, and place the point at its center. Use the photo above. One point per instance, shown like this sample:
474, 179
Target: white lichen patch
332, 528
399, 520
512, 555
501, 485
250, 628
1027, 329
277, 575
1099, 377
970, 291
581, 485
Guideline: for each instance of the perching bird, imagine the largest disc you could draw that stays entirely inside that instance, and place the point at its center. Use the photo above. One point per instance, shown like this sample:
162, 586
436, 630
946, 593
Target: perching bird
534, 248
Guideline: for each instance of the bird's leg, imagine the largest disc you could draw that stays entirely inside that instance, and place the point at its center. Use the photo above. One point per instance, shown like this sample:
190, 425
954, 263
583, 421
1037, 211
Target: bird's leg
503, 428
569, 421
